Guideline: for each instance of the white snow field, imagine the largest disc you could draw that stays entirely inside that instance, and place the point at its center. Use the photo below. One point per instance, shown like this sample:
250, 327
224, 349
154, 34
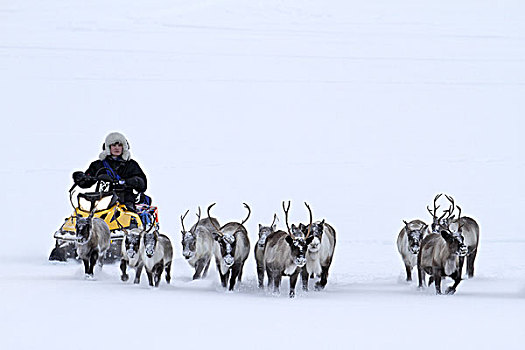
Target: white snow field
364, 109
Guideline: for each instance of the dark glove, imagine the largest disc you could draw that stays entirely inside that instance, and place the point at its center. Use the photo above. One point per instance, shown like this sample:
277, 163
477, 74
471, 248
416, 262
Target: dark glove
135, 182
83, 180
105, 177
78, 176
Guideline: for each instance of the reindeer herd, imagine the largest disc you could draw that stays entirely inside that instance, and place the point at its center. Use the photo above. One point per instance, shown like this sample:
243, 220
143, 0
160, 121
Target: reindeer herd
303, 250
439, 250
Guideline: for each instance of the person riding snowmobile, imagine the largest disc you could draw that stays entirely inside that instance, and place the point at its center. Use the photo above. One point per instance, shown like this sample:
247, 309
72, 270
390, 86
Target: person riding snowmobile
116, 168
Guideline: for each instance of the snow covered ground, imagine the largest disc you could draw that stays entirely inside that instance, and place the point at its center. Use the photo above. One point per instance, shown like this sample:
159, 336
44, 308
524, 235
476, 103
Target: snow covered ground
364, 109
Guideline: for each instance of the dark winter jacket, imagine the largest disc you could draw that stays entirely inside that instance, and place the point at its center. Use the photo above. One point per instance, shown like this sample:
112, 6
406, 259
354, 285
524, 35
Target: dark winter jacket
129, 171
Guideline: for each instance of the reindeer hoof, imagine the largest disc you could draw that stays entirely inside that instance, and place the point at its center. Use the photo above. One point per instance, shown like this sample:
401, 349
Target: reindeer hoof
450, 291
319, 287
124, 278
292, 294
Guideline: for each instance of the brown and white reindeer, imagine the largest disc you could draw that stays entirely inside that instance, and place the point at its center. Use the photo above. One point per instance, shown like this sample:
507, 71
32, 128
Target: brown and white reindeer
320, 252
264, 232
409, 243
439, 257
463, 225
231, 249
131, 254
156, 253
285, 254
198, 244
92, 241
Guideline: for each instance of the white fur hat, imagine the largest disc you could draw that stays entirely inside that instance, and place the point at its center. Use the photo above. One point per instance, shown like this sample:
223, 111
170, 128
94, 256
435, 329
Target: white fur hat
111, 139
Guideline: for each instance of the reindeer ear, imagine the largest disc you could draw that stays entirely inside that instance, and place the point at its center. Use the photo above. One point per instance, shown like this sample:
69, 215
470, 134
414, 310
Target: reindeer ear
274, 227
215, 236
322, 222
260, 226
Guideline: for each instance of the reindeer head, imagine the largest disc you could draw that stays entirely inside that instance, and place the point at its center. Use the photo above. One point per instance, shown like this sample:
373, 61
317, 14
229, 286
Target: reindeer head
227, 244
132, 243
150, 243
83, 228
298, 246
189, 239
455, 242
414, 236
317, 229
226, 238
299, 237
265, 231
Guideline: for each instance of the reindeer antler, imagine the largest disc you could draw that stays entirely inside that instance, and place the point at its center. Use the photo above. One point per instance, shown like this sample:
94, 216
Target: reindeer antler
452, 205
435, 207
182, 220
198, 220
286, 210
209, 217
309, 226
249, 212
274, 218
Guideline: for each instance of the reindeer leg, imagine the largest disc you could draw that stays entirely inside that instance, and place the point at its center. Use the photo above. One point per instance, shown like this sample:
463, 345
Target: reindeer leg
150, 277
461, 263
293, 282
420, 276
324, 278
86, 266
207, 265
138, 272
236, 269
224, 278
260, 275
157, 272
456, 276
123, 264
277, 283
408, 269
271, 281
305, 276
240, 272
199, 265
92, 262
436, 272
470, 263
168, 272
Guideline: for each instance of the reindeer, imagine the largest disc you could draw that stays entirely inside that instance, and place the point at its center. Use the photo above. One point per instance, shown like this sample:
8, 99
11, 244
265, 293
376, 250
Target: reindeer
231, 250
264, 232
198, 243
156, 253
409, 243
131, 254
320, 252
465, 226
439, 257
92, 241
284, 254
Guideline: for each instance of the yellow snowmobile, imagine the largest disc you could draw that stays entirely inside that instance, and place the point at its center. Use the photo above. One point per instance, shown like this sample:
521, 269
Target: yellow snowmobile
104, 205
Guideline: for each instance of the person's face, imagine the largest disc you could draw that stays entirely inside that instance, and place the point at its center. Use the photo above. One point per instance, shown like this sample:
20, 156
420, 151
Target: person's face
115, 149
